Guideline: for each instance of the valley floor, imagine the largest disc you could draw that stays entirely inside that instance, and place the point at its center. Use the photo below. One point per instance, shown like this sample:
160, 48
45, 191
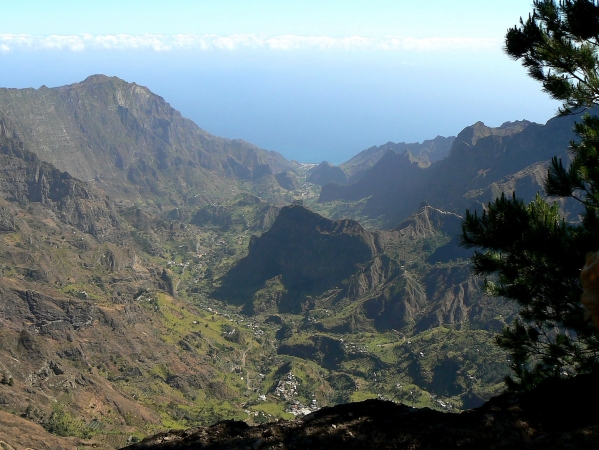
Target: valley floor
552, 416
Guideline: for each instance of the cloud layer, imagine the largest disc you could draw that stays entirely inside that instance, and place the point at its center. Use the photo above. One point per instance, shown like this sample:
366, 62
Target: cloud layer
160, 43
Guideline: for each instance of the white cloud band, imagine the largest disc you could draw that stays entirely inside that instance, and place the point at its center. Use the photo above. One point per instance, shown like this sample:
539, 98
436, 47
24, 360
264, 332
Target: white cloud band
158, 42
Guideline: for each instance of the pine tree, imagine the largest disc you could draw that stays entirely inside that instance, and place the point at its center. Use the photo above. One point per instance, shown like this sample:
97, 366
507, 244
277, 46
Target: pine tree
530, 254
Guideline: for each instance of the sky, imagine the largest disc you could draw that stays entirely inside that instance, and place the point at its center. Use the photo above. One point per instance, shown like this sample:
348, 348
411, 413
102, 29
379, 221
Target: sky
314, 80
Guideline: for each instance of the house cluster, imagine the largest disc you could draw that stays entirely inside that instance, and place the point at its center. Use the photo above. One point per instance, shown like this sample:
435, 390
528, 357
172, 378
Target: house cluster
287, 387
298, 409
255, 328
352, 348
306, 190
174, 263
445, 405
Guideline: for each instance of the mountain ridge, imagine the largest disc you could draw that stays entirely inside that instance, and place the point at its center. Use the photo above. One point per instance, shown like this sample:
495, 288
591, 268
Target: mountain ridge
479, 157
128, 141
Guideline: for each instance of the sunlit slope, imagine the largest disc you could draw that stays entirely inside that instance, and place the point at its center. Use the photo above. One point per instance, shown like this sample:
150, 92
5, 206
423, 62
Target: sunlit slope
130, 142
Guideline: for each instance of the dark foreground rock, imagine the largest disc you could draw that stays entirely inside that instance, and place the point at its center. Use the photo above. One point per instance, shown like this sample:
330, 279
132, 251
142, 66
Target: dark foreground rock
556, 415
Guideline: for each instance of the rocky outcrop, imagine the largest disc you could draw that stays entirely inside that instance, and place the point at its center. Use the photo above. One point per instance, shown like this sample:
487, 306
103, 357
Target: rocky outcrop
52, 317
309, 253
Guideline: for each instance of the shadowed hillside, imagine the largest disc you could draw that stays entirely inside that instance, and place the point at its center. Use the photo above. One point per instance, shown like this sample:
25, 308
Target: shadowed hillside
482, 163
305, 252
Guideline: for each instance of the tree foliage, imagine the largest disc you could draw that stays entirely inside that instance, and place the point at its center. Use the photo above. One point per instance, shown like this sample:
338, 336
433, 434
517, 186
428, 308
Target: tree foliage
558, 45
529, 253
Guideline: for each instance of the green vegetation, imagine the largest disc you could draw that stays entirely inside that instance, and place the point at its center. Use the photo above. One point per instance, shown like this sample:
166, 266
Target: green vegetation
123, 300
64, 423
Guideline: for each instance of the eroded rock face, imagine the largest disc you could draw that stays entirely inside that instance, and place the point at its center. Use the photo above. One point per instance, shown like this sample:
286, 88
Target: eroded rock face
26, 179
52, 313
394, 307
308, 252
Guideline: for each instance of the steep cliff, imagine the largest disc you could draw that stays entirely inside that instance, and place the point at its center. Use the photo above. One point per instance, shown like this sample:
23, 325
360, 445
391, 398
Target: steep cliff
25, 178
308, 253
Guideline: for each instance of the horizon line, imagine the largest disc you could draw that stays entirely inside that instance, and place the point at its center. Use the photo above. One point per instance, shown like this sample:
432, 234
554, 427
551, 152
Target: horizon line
206, 42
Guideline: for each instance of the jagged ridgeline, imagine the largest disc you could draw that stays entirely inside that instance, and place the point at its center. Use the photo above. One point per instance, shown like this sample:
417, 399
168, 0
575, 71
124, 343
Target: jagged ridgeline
388, 182
359, 302
131, 143
411, 276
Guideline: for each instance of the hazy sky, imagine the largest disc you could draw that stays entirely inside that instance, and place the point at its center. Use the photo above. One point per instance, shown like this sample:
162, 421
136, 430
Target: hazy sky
314, 80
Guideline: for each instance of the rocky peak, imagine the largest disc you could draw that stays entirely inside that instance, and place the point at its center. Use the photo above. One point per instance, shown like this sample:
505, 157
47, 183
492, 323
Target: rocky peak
470, 135
429, 221
473, 133
325, 173
305, 252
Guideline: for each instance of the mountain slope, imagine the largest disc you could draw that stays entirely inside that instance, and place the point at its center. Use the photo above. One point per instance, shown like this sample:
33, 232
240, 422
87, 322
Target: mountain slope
306, 251
480, 156
128, 141
427, 152
97, 336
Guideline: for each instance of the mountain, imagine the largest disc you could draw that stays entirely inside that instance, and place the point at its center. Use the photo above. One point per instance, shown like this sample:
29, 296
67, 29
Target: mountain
305, 262
349, 172
483, 162
392, 187
327, 282
124, 139
288, 180
151, 276
304, 252
325, 173
427, 152
103, 337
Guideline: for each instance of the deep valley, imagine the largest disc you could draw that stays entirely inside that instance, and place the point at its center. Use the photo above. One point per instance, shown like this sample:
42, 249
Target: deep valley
154, 276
